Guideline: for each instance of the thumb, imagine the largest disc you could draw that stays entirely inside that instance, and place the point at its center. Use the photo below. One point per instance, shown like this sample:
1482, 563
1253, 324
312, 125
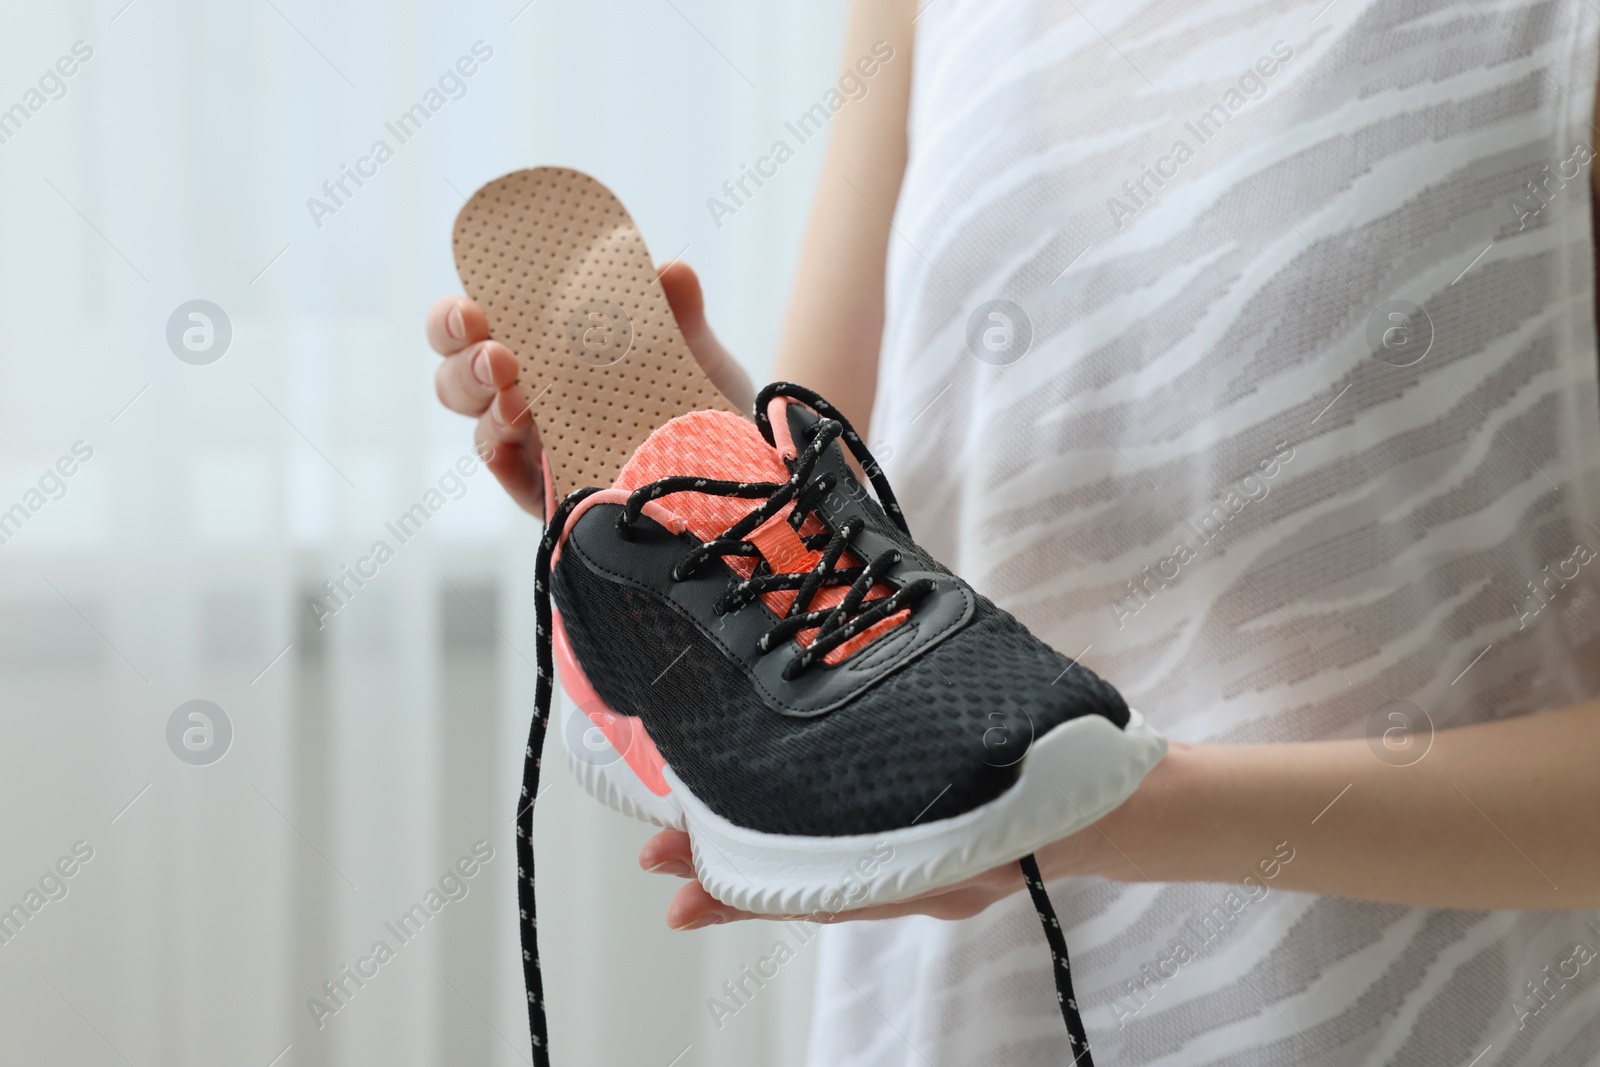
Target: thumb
682, 286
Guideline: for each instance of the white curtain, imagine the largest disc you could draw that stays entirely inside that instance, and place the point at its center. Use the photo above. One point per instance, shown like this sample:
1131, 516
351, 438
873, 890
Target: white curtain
165, 152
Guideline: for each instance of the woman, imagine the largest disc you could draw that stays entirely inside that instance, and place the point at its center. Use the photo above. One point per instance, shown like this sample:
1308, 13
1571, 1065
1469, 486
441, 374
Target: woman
1246, 352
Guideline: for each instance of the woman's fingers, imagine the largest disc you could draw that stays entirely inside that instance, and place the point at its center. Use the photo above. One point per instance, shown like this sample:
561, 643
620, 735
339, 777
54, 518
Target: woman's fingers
477, 377
467, 380
668, 853
508, 441
474, 368
454, 322
692, 908
682, 286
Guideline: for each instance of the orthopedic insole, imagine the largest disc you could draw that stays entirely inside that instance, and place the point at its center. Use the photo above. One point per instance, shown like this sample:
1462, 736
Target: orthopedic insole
559, 267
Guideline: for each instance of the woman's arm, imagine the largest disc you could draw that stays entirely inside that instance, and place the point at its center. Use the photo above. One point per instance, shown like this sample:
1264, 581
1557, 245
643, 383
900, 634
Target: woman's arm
1500, 815
834, 324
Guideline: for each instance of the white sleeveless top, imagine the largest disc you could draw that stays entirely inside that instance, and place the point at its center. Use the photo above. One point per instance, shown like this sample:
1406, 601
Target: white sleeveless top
1239, 466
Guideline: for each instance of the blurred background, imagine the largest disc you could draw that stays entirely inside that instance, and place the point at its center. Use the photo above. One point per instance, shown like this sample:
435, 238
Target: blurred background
175, 490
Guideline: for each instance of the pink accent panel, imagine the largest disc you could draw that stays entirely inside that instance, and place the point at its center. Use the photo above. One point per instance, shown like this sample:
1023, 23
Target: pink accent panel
715, 445
782, 547
550, 498
710, 444
625, 732
778, 415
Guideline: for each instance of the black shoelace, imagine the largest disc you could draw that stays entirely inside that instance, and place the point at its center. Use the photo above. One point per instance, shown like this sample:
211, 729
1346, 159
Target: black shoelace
835, 626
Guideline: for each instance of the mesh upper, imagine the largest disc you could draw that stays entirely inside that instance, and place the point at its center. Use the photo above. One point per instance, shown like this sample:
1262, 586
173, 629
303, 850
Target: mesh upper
711, 444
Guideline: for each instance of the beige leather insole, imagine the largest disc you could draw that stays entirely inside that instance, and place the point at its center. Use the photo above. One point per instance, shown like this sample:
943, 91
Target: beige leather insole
563, 274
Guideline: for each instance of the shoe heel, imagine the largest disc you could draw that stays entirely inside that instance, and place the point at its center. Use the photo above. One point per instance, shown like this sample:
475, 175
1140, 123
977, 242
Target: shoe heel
563, 274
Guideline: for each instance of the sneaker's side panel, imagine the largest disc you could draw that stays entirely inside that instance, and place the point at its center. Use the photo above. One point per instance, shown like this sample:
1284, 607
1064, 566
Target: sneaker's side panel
625, 735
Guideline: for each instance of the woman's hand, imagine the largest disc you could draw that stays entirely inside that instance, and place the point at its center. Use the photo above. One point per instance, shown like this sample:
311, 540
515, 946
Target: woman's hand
478, 378
1503, 814
692, 907
1097, 850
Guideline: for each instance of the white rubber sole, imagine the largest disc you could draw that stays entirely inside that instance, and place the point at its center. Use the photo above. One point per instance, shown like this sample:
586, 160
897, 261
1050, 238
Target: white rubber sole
1072, 776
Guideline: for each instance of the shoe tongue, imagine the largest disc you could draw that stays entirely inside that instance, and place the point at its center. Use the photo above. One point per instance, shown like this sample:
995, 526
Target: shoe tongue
716, 445
722, 446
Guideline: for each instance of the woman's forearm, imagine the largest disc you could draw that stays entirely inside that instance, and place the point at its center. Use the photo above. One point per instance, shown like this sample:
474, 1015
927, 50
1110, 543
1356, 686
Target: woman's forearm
1499, 815
834, 324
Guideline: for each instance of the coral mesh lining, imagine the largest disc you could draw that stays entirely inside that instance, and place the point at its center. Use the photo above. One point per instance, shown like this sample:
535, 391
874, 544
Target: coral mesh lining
726, 447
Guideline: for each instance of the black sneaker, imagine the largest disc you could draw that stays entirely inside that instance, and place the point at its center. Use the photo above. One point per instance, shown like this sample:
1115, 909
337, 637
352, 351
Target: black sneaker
776, 667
